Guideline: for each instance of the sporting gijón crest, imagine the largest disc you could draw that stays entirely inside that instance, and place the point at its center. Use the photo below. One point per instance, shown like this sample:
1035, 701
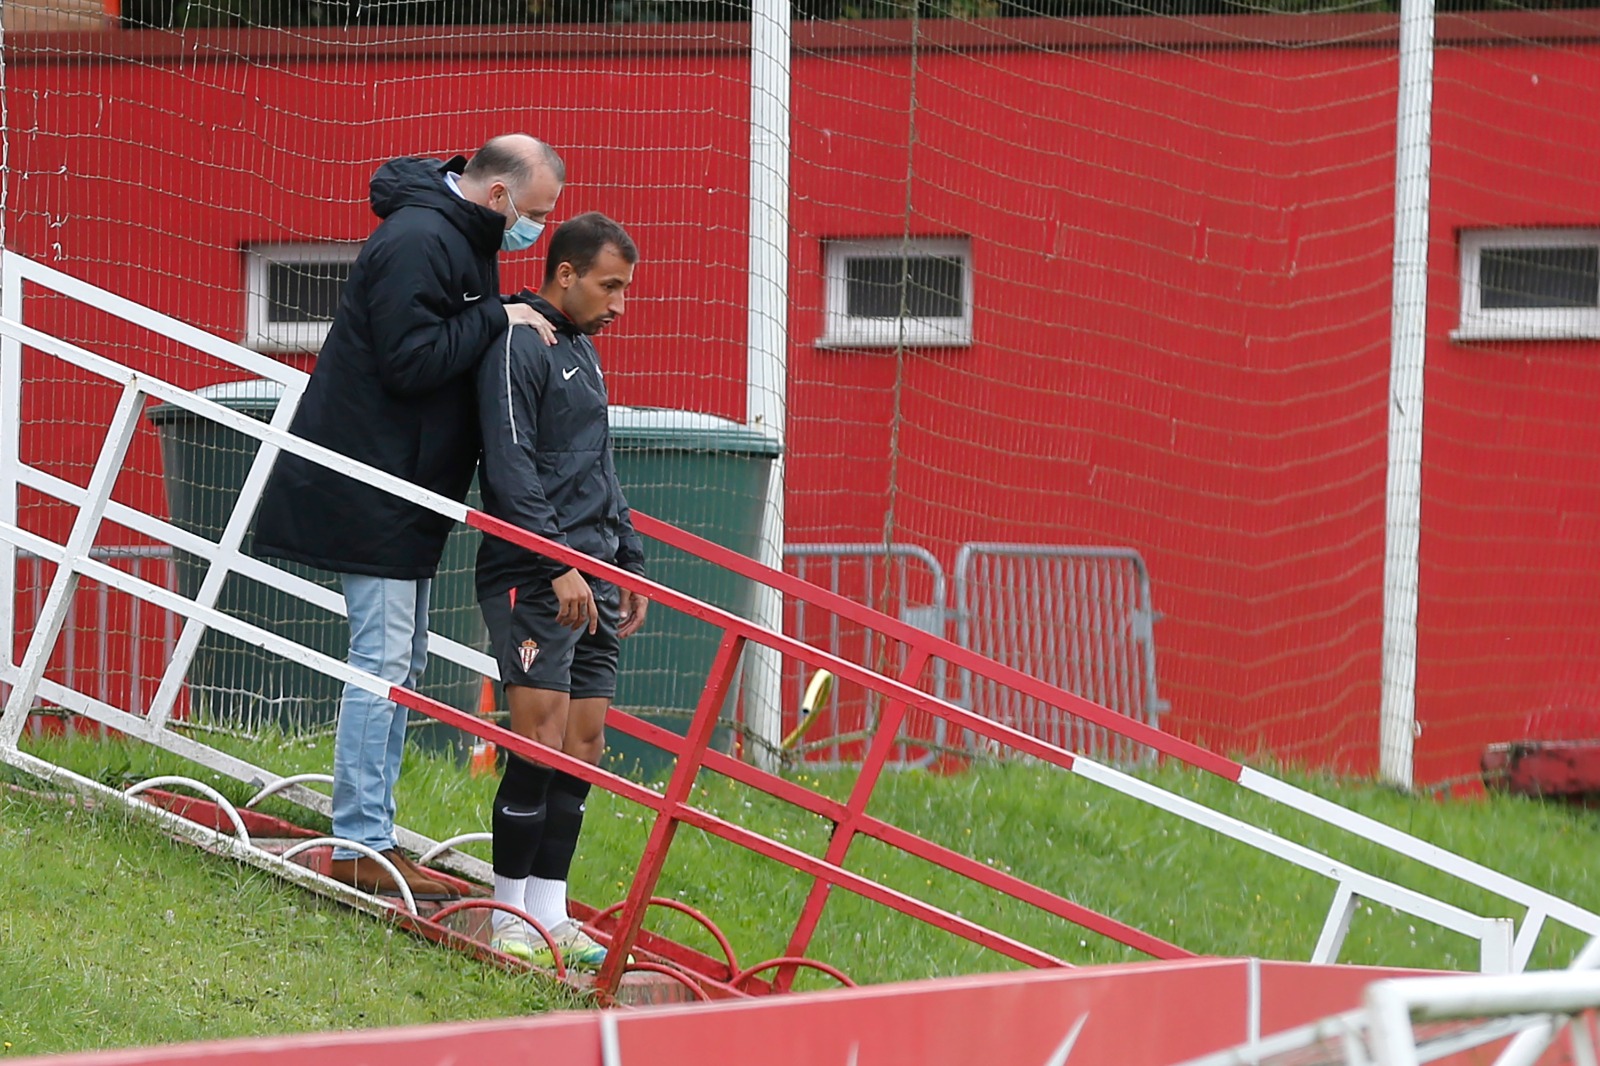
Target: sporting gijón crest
529, 652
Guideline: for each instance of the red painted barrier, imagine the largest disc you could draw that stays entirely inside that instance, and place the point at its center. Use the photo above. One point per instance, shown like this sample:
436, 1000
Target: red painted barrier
1141, 1014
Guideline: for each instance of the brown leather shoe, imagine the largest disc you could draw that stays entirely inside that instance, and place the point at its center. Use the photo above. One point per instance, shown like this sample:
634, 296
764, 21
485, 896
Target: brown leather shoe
368, 876
456, 886
420, 880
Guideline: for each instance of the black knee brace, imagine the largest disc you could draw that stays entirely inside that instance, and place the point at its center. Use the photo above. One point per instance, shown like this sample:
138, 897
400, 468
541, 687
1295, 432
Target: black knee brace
519, 816
563, 822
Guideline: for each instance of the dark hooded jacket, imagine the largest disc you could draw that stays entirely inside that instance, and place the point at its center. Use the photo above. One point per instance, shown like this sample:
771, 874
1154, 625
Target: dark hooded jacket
394, 384
547, 460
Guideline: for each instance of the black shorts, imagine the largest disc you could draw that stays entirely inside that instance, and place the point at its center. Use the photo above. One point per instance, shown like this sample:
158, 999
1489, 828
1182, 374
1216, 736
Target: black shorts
536, 652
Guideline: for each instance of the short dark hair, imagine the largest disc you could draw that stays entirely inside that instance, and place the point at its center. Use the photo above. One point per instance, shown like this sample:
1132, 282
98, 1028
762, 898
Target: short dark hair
581, 239
502, 159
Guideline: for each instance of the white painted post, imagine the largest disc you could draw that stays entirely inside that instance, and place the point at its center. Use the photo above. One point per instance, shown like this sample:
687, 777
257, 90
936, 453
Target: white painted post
1394, 1041
10, 444
767, 354
1407, 354
1336, 926
10, 397
65, 584
1527, 936
1496, 951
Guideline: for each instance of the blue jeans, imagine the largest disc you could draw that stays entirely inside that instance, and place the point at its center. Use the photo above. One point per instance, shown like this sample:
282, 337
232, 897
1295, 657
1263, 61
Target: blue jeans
388, 638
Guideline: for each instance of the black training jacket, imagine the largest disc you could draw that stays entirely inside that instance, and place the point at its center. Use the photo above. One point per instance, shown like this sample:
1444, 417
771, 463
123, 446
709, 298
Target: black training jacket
393, 385
547, 462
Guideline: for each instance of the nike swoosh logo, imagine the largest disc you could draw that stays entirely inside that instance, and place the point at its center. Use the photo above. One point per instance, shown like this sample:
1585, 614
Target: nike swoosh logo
467, 296
513, 813
566, 375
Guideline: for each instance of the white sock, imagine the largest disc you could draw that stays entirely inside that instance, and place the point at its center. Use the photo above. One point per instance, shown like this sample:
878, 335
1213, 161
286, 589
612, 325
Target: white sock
546, 901
509, 891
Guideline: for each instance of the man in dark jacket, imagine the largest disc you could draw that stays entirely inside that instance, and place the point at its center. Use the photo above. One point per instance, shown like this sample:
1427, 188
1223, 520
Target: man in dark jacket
548, 467
393, 387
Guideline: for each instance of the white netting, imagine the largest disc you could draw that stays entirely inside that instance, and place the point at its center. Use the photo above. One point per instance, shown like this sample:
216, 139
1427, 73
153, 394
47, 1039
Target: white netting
1068, 276
1180, 234
218, 173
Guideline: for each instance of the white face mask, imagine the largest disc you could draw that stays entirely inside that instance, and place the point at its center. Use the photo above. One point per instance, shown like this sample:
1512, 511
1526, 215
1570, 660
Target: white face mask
522, 233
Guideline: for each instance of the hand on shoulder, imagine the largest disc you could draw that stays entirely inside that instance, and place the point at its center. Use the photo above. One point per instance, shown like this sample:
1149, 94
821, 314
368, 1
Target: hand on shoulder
520, 314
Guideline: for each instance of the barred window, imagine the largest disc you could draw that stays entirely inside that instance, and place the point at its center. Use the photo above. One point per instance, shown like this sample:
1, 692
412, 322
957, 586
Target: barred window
292, 292
1530, 284
881, 294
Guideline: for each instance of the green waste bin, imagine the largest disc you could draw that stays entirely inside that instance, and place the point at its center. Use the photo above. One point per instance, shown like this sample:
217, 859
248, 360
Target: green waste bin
707, 475
239, 686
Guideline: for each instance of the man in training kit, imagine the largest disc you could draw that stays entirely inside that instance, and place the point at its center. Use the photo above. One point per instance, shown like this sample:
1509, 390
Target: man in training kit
394, 387
548, 467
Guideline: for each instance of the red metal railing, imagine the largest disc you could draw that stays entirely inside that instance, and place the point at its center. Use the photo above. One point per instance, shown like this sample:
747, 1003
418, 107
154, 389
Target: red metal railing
692, 752
850, 818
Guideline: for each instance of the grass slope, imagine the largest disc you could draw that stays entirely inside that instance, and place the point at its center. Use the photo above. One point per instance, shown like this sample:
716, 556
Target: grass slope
1152, 870
113, 935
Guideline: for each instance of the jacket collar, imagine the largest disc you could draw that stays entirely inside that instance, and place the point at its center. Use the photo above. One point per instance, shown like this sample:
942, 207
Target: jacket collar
561, 322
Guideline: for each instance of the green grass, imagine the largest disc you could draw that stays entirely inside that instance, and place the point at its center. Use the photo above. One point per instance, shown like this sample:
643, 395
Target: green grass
1154, 871
113, 935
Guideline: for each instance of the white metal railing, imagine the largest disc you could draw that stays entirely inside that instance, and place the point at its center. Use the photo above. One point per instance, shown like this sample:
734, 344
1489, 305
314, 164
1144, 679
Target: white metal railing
93, 505
225, 551
75, 558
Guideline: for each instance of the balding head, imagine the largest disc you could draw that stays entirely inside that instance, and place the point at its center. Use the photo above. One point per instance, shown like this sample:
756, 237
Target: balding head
516, 176
514, 158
